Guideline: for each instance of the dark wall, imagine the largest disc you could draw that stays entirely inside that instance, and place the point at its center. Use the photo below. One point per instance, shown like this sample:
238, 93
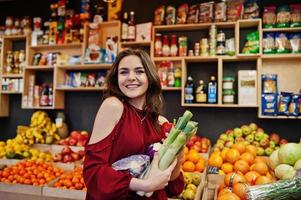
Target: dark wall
81, 107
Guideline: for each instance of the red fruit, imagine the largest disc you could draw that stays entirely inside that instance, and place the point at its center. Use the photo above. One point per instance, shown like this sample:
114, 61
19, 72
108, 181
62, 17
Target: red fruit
68, 158
57, 157
66, 151
84, 133
81, 143
189, 144
283, 141
203, 150
81, 153
167, 127
194, 138
62, 141
75, 134
75, 156
275, 137
72, 141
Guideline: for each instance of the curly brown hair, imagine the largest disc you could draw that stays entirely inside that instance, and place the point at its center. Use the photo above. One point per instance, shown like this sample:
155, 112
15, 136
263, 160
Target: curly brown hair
154, 100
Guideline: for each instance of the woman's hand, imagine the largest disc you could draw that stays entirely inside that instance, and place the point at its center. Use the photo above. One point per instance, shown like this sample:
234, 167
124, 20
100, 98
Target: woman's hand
176, 172
158, 179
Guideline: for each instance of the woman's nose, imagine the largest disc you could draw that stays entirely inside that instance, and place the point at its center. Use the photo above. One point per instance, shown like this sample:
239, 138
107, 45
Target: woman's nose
132, 76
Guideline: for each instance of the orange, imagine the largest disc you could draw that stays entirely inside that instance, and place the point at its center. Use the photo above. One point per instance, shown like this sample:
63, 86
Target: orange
227, 168
228, 196
186, 150
241, 166
240, 190
232, 178
251, 177
240, 147
193, 157
224, 191
223, 153
232, 155
263, 180
192, 151
251, 149
188, 166
248, 157
215, 161
259, 159
261, 168
216, 152
200, 165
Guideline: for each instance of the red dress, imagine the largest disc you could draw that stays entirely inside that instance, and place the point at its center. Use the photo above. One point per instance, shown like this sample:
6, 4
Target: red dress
129, 137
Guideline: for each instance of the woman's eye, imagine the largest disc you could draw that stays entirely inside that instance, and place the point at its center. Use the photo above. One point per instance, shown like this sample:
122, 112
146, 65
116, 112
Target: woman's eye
123, 72
140, 72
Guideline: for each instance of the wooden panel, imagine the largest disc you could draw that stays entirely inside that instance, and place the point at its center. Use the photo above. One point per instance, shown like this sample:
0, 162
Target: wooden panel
294, 29
188, 27
85, 66
4, 105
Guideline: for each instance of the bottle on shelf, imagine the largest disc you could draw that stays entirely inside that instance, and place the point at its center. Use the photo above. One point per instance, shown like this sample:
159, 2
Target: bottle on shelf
62, 127
163, 73
200, 94
132, 27
158, 45
212, 90
171, 75
44, 100
173, 46
165, 48
124, 27
178, 76
50, 96
189, 90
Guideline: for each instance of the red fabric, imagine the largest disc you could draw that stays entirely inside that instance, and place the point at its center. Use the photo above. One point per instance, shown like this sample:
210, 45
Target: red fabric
129, 137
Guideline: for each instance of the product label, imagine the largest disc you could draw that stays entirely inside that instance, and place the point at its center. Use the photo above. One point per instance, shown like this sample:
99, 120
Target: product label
212, 94
132, 32
124, 33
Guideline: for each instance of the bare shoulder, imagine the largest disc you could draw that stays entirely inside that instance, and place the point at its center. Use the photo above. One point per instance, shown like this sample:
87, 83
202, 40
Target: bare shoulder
106, 118
162, 119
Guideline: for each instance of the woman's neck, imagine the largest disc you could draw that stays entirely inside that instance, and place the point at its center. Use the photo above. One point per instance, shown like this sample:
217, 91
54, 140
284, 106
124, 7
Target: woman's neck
137, 102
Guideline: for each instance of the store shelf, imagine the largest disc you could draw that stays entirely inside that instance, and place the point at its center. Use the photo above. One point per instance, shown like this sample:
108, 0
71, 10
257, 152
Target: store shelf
12, 75
85, 66
80, 89
40, 68
10, 92
142, 44
56, 47
278, 117
282, 56
171, 88
294, 29
248, 23
168, 58
248, 56
189, 27
218, 105
199, 105
40, 107
14, 37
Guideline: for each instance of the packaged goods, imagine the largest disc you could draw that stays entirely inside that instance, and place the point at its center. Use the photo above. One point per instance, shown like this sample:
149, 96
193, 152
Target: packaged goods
228, 96
206, 12
158, 44
83, 79
193, 14
143, 32
220, 12
170, 18
182, 14
251, 9
182, 40
284, 101
268, 43
234, 10
212, 90
252, 44
293, 108
91, 80
283, 16
269, 83
269, 104
247, 87
282, 43
159, 15
295, 42
295, 15
230, 47
228, 82
269, 17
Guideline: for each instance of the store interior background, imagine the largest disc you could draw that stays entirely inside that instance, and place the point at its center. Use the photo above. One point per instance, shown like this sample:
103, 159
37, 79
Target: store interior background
81, 107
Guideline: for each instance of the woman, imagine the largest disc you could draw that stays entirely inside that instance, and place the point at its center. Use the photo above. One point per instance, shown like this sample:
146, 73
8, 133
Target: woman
127, 122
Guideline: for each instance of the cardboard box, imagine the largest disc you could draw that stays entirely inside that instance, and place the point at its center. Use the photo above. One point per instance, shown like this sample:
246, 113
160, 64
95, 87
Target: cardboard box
143, 32
247, 87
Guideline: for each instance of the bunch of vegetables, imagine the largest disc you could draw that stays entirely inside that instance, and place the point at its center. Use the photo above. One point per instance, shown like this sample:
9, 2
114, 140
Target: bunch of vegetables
177, 138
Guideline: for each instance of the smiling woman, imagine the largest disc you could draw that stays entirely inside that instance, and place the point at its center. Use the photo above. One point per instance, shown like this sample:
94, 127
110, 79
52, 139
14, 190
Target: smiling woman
127, 122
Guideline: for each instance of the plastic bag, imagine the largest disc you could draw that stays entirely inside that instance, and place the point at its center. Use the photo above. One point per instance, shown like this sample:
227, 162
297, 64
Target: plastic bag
268, 43
252, 44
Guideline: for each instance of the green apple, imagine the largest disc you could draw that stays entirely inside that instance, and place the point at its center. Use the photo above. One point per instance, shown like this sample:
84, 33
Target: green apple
253, 126
196, 179
223, 137
229, 143
268, 151
260, 151
272, 144
220, 141
250, 138
239, 139
220, 146
246, 130
237, 132
256, 144
259, 136
189, 194
246, 142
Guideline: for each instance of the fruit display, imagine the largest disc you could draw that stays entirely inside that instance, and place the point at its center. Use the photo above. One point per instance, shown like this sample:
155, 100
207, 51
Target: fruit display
76, 138
286, 160
41, 130
251, 134
30, 173
68, 155
16, 149
192, 181
72, 180
200, 144
193, 161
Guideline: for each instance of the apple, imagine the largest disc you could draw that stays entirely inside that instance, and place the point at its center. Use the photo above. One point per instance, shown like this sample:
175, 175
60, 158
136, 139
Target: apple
275, 138
81, 153
203, 150
229, 131
253, 126
75, 134
228, 143
73, 141
230, 135
250, 138
237, 132
268, 151
260, 151
265, 136
198, 143
272, 144
239, 139
220, 146
75, 156
264, 143
283, 141
259, 136
246, 130
220, 141
204, 146
256, 143
196, 147
81, 143
194, 138
67, 158
49, 139
223, 137
260, 130
66, 151
62, 142
189, 144
246, 143
57, 157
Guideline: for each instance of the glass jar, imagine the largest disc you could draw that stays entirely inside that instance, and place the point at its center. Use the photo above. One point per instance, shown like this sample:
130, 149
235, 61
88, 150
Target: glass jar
228, 96
158, 45
228, 82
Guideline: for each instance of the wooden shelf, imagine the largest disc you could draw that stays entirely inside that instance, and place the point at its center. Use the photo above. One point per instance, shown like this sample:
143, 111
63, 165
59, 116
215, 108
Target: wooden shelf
189, 27
278, 117
12, 75
218, 105
56, 47
142, 44
250, 56
293, 29
10, 92
248, 23
168, 58
241, 57
40, 107
14, 37
282, 56
85, 66
40, 68
81, 89
171, 88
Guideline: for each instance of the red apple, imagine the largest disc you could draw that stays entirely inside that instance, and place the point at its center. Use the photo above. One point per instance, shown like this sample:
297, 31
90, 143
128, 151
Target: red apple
229, 131
66, 151
275, 137
57, 157
283, 141
75, 134
197, 143
75, 156
203, 150
67, 158
194, 138
84, 133
73, 141
81, 153
189, 144
196, 147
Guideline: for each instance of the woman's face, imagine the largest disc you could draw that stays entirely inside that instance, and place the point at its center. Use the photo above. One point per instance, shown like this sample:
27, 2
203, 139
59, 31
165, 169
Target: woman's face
132, 78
